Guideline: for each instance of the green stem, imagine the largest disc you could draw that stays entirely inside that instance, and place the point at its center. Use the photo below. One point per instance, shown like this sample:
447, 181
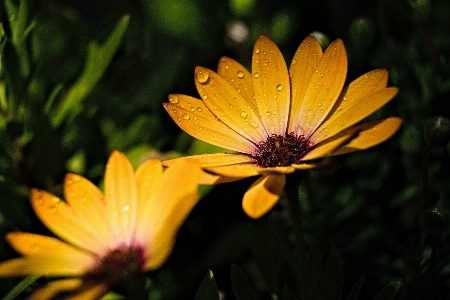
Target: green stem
291, 191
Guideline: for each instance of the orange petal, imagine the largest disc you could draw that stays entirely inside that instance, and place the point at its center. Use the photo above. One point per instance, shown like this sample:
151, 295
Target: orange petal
236, 171
239, 78
88, 203
324, 88
213, 160
302, 68
369, 135
167, 208
121, 197
89, 292
271, 84
62, 220
30, 244
352, 111
228, 105
52, 289
325, 148
202, 124
263, 194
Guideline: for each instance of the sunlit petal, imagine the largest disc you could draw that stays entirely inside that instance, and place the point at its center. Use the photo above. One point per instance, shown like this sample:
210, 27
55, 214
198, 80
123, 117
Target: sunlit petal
271, 84
88, 203
302, 69
228, 105
214, 160
353, 112
263, 194
60, 218
238, 170
121, 197
239, 78
325, 149
52, 289
369, 135
324, 88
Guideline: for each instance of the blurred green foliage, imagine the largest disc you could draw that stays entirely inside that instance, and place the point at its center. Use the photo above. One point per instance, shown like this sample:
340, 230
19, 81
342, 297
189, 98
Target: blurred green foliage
81, 78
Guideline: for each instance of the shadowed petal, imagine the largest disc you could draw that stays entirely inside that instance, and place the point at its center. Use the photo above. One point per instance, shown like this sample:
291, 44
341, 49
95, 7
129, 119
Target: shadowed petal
263, 194
324, 88
52, 289
271, 84
239, 78
88, 203
325, 149
369, 135
62, 220
89, 292
195, 118
121, 197
352, 111
302, 69
228, 105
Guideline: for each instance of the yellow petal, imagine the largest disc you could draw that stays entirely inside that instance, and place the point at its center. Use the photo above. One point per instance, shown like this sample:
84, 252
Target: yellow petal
353, 111
284, 170
121, 197
62, 220
52, 289
35, 265
228, 105
88, 203
30, 244
263, 194
167, 208
239, 78
324, 88
202, 124
214, 160
325, 148
271, 84
316, 166
369, 135
236, 171
89, 292
302, 68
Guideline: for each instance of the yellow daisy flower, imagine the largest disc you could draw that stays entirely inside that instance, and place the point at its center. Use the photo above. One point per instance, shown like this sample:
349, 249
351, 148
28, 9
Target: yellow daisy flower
108, 237
277, 120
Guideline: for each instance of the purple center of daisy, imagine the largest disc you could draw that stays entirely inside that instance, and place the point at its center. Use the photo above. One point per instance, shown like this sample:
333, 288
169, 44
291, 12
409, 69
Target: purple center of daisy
117, 265
279, 150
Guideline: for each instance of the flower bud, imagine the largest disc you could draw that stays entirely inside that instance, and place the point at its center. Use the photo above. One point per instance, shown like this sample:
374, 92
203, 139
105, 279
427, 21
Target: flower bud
435, 221
437, 131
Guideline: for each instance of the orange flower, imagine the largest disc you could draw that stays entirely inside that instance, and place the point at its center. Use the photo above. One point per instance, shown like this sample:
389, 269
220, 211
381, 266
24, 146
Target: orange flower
277, 120
106, 237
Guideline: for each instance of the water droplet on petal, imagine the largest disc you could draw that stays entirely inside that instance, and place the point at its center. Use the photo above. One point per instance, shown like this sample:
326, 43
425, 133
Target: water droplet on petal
202, 76
199, 109
240, 74
186, 117
126, 207
243, 114
279, 87
268, 113
257, 50
192, 109
294, 62
254, 125
205, 97
256, 75
174, 99
344, 99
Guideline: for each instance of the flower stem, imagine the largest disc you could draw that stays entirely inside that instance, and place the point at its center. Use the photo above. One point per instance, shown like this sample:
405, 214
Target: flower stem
291, 191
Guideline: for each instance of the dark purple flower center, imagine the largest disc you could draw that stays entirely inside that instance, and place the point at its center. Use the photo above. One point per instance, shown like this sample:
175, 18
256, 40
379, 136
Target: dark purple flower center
279, 150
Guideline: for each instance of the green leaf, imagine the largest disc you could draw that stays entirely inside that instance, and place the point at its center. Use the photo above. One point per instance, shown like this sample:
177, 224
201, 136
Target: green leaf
20, 287
241, 286
332, 279
99, 57
208, 288
354, 293
389, 292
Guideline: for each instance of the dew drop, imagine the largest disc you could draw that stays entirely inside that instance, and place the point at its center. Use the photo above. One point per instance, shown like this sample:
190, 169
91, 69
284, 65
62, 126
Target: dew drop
199, 109
279, 87
268, 113
344, 99
328, 90
257, 50
174, 99
243, 114
192, 109
186, 117
321, 74
202, 76
205, 97
256, 75
126, 207
201, 129
254, 125
240, 74
293, 62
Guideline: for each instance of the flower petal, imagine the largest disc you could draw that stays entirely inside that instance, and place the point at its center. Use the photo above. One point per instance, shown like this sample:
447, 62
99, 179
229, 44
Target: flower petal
237, 170
325, 148
239, 78
30, 244
324, 88
121, 197
271, 84
167, 208
62, 220
89, 292
359, 103
369, 135
302, 69
228, 105
88, 203
213, 160
263, 194
202, 124
52, 289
